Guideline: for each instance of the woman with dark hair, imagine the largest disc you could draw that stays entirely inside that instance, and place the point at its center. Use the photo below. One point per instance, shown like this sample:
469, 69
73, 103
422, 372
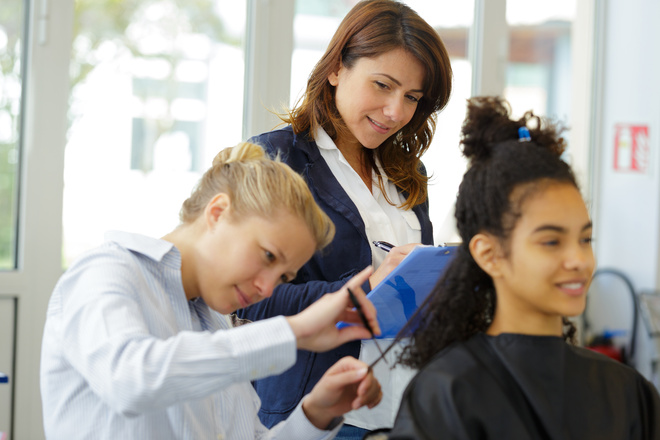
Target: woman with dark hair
493, 343
357, 136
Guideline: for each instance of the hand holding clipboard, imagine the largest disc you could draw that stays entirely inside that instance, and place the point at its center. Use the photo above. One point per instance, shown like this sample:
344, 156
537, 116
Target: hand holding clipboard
404, 289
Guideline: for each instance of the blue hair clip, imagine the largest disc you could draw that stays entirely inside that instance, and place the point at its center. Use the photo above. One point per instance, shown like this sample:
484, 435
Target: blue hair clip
523, 135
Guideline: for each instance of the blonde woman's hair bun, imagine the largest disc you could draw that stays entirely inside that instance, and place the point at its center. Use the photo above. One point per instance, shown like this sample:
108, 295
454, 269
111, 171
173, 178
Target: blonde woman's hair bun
243, 151
258, 185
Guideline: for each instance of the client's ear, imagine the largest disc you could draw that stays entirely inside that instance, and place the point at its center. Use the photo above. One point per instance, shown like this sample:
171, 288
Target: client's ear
486, 251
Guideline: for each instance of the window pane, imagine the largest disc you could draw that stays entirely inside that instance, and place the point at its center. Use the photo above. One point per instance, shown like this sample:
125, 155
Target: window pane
11, 34
157, 91
444, 160
315, 23
539, 66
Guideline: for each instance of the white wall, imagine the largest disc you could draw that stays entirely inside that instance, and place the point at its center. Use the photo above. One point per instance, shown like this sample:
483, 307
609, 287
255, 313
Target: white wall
626, 204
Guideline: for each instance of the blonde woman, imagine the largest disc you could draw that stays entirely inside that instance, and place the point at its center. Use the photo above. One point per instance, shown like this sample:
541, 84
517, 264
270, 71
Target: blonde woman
137, 343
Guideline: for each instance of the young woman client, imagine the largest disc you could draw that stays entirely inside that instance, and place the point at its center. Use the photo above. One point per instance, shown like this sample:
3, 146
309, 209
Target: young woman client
493, 344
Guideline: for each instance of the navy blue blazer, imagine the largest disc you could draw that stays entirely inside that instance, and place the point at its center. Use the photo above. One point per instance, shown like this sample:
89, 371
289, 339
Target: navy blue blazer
327, 271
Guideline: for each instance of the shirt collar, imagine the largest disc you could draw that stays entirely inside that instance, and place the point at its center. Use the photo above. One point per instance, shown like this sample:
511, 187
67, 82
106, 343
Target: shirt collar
323, 140
153, 248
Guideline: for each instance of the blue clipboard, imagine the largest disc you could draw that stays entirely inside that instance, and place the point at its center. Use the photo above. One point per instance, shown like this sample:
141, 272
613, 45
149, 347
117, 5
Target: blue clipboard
4, 378
404, 289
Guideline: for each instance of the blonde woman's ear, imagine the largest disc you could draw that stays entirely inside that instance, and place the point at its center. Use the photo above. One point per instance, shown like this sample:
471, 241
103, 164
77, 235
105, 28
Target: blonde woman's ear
215, 208
485, 250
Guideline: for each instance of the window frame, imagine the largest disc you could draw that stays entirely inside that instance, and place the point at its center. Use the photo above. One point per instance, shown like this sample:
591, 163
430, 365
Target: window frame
45, 92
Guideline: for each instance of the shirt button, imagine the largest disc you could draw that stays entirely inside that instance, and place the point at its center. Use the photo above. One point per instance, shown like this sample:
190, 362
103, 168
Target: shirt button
253, 373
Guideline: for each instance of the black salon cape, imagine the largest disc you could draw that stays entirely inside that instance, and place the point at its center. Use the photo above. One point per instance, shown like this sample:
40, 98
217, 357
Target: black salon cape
574, 394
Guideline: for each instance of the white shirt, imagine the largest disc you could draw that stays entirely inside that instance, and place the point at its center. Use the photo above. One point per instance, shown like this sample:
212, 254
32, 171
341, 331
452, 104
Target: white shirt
384, 222
126, 356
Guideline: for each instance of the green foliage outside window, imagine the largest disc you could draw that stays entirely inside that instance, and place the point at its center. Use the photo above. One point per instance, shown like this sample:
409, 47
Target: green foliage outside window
101, 27
11, 19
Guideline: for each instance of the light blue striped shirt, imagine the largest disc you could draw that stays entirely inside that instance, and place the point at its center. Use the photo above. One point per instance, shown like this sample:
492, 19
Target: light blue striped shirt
126, 356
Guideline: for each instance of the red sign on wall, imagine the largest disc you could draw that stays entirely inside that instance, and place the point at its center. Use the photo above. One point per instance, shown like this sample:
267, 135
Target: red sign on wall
631, 148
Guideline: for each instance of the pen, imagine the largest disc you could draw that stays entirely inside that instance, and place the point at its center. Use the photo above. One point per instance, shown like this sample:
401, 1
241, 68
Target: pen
383, 245
358, 307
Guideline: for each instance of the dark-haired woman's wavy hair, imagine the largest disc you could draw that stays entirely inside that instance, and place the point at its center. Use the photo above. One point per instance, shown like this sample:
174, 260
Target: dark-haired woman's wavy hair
463, 301
372, 28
